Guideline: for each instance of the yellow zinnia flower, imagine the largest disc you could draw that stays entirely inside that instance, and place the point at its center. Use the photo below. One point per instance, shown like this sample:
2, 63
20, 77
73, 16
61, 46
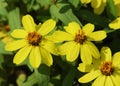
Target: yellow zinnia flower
105, 71
98, 5
77, 41
32, 42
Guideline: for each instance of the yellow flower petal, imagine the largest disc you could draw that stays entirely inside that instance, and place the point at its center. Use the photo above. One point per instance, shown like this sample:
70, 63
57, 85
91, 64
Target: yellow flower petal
106, 54
96, 3
49, 46
35, 57
109, 81
47, 26
116, 59
73, 52
100, 9
116, 2
97, 36
115, 24
93, 49
104, 1
90, 76
14, 45
60, 36
85, 68
7, 39
19, 33
28, 23
62, 49
88, 28
85, 54
115, 78
85, 1
46, 57
2, 34
72, 28
22, 54
100, 81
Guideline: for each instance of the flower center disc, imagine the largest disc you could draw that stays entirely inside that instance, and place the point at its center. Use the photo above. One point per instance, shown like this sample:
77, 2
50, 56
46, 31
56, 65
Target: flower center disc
34, 38
80, 38
106, 68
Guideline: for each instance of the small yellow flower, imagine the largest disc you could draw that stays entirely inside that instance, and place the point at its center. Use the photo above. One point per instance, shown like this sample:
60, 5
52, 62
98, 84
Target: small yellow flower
77, 41
32, 42
104, 71
98, 5
3, 34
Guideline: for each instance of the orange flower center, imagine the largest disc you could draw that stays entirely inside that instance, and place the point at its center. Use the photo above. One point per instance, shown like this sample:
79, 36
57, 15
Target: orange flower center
80, 37
107, 68
34, 38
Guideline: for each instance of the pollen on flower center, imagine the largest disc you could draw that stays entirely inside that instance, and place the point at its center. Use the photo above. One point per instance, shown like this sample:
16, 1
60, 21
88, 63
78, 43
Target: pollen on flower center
80, 37
34, 38
107, 68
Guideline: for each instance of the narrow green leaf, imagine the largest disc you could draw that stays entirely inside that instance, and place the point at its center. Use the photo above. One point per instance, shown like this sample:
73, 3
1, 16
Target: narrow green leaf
108, 30
1, 60
111, 10
93, 18
75, 3
64, 13
29, 6
14, 18
69, 79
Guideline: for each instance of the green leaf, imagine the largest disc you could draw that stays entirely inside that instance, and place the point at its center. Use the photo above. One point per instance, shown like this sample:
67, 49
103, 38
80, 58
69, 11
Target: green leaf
111, 10
21, 78
3, 4
69, 79
3, 14
55, 81
29, 6
14, 18
75, 3
44, 2
93, 18
3, 11
64, 13
41, 78
1, 60
108, 30
2, 49
32, 79
25, 1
